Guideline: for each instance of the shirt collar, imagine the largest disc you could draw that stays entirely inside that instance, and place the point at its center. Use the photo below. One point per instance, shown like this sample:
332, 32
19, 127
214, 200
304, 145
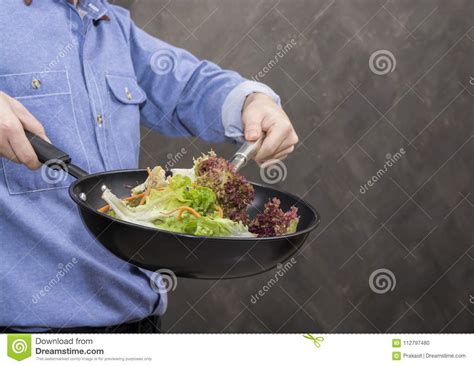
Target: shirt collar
95, 9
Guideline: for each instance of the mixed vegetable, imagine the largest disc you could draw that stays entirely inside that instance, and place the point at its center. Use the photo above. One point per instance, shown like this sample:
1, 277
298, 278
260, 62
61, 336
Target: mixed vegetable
210, 199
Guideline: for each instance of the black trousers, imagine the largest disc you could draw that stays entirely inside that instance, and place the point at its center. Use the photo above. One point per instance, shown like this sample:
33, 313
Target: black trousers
152, 324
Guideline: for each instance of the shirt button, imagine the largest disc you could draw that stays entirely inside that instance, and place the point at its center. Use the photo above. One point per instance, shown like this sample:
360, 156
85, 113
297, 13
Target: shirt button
99, 119
35, 83
128, 94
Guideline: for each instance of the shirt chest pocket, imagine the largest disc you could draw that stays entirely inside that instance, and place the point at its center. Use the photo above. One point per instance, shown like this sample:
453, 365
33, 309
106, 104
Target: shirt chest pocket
123, 114
47, 95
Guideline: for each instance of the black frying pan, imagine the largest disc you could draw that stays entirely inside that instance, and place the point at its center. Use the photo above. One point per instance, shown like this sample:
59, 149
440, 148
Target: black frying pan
186, 255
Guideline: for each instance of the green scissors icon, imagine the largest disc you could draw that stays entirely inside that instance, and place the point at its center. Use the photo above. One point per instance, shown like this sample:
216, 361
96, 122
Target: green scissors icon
316, 340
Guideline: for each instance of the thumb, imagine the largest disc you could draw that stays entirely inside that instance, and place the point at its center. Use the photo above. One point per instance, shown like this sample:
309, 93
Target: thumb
252, 120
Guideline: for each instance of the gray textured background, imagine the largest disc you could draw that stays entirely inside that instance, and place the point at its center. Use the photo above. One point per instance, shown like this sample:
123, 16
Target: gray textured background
416, 221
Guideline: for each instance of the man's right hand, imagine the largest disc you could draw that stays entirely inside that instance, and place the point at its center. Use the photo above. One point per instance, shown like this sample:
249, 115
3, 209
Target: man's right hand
14, 119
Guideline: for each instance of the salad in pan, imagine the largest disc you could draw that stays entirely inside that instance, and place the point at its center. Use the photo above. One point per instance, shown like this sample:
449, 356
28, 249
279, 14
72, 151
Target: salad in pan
210, 199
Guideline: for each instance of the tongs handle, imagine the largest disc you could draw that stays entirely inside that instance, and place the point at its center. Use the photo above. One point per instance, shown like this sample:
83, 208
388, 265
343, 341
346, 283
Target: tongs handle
247, 151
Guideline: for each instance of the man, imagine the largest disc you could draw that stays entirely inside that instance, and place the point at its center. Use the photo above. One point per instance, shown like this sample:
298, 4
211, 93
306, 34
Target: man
81, 74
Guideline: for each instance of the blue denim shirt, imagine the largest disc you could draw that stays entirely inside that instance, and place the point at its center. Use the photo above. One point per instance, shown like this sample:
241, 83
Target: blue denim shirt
90, 85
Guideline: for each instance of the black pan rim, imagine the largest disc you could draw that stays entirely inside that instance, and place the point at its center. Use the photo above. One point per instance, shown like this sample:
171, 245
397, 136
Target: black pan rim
83, 205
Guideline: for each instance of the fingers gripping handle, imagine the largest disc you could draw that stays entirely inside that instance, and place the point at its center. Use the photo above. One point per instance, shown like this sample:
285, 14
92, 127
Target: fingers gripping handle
53, 157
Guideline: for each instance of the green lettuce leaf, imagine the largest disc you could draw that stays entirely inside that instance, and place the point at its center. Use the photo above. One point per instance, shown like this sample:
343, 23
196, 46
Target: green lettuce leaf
160, 210
293, 226
203, 226
181, 192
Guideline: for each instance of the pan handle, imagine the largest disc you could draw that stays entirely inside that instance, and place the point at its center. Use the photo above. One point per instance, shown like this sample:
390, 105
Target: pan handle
52, 157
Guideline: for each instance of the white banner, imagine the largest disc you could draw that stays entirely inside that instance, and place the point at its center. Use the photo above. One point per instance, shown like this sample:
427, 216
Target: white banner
237, 349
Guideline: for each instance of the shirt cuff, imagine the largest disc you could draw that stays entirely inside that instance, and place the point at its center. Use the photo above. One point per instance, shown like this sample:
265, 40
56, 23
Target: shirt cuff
234, 103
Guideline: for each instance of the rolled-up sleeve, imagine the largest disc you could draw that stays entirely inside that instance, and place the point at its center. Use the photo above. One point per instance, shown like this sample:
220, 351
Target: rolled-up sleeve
232, 107
187, 96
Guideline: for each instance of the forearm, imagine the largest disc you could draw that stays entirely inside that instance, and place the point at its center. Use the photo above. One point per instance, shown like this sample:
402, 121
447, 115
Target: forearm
187, 96
197, 109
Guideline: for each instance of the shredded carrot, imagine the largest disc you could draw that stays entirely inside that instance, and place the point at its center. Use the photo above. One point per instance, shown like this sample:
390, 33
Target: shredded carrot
170, 212
131, 198
190, 210
181, 210
104, 209
147, 192
220, 211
